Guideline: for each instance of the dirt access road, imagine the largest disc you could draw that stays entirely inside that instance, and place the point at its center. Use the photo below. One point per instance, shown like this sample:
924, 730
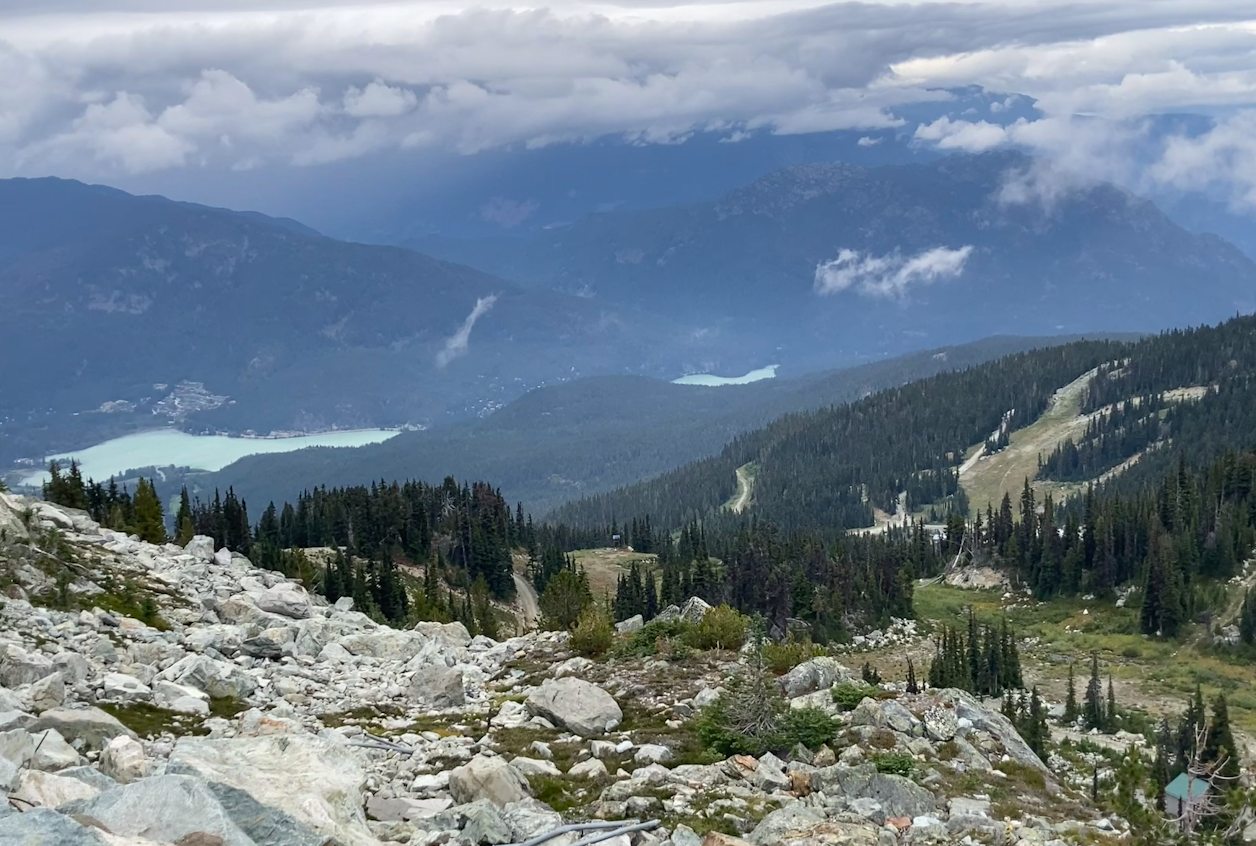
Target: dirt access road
528, 610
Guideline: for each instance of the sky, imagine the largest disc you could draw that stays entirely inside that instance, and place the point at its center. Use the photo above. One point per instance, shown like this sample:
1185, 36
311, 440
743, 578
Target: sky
107, 90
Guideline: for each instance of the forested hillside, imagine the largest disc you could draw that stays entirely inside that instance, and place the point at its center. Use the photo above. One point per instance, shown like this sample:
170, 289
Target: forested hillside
829, 469
562, 442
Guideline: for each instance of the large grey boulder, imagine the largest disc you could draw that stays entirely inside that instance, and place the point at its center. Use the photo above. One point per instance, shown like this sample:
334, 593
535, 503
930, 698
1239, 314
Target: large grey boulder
46, 790
900, 797
776, 825
576, 705
52, 753
162, 808
123, 760
19, 667
437, 686
998, 726
266, 825
216, 678
815, 674
268, 767
42, 827
91, 725
47, 693
201, 547
488, 778
286, 599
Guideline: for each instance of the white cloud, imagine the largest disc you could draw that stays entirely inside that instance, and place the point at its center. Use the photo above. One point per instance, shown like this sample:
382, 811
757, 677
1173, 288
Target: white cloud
265, 83
458, 343
888, 276
379, 100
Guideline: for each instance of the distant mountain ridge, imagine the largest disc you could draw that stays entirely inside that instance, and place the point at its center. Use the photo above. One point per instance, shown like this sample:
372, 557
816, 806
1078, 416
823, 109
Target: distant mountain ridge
111, 295
1092, 258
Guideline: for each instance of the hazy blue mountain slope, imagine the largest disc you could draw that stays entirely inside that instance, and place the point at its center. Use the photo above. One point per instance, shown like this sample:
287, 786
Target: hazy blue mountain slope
107, 295
1094, 258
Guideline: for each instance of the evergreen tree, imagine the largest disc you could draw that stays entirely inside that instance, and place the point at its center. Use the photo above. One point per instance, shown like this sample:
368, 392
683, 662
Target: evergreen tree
912, 687
1220, 749
1112, 722
150, 521
1070, 703
1092, 709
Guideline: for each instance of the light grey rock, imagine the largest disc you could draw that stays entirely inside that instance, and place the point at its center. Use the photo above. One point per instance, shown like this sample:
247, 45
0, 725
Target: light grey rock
940, 723
900, 797
815, 674
268, 643
123, 759
15, 719
9, 776
574, 704
773, 828
16, 746
694, 609
592, 769
47, 693
329, 773
201, 548
91, 725
72, 666
868, 713
46, 790
447, 635
534, 767
999, 727
162, 808
635, 623
485, 825
267, 826
529, 818
19, 667
286, 599
490, 778
900, 719
652, 753
405, 808
51, 752
9, 701
120, 687
436, 686
90, 776
44, 827
683, 835
215, 678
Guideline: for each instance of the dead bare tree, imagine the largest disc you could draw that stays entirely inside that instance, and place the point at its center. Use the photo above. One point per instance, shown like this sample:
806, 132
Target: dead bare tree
1192, 811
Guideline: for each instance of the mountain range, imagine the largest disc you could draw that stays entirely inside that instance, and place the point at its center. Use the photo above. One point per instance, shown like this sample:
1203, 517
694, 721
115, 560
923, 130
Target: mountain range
119, 297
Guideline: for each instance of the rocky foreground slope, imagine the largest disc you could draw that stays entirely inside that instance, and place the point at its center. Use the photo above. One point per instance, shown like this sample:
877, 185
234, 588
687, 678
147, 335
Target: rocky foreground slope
241, 711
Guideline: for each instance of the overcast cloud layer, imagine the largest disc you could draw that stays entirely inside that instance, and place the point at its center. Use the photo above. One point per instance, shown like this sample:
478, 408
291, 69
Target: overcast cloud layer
120, 87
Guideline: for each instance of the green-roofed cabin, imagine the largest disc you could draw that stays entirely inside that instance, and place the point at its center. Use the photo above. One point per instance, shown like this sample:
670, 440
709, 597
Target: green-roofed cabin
1183, 793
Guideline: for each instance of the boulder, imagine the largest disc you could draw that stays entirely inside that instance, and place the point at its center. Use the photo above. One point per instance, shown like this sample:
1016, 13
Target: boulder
43, 827
592, 768
900, 797
794, 817
267, 767
163, 808
574, 704
268, 643
201, 548
815, 674
488, 778
216, 678
16, 746
19, 667
47, 693
694, 609
266, 825
635, 623
447, 635
998, 726
91, 725
437, 686
286, 599
534, 767
51, 752
45, 790
10, 777
123, 760
484, 823
119, 687
940, 723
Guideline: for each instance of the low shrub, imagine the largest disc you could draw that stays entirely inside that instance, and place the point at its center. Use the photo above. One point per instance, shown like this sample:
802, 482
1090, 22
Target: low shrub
811, 727
895, 763
655, 637
848, 695
782, 657
747, 719
593, 632
720, 628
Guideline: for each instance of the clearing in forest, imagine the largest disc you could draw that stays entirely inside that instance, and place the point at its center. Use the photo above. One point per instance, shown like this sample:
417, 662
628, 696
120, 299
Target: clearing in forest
605, 566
